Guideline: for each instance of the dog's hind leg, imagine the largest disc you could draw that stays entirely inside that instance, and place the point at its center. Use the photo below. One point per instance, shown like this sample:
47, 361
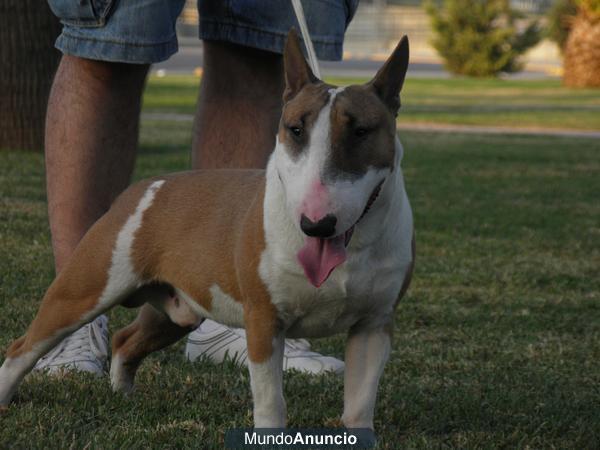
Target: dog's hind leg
75, 298
152, 330
99, 275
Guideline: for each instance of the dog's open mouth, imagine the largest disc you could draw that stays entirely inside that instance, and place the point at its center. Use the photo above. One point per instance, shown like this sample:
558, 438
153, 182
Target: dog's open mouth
318, 257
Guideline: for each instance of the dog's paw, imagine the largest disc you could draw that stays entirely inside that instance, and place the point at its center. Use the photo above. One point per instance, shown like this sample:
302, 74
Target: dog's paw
121, 379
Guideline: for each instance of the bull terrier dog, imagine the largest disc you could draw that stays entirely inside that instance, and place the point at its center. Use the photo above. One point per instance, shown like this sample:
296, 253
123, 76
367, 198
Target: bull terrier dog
321, 242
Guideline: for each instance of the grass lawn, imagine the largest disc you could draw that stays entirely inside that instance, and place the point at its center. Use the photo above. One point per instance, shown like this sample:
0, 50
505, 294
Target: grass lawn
519, 103
497, 343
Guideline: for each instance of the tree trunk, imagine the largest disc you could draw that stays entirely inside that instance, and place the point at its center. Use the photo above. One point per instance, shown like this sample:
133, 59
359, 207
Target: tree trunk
28, 61
582, 53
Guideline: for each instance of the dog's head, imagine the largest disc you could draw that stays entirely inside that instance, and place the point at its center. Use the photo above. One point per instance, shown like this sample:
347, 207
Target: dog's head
335, 148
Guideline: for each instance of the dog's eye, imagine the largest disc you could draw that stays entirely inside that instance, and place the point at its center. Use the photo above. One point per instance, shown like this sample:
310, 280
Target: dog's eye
360, 132
296, 131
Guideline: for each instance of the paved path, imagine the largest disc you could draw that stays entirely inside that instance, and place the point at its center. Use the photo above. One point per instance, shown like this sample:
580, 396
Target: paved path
190, 57
432, 127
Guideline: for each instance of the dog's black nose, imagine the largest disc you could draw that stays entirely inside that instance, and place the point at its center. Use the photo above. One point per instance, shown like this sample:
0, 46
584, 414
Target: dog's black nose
324, 228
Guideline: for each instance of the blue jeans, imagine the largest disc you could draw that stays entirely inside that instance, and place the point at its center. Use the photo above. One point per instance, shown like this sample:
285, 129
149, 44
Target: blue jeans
143, 31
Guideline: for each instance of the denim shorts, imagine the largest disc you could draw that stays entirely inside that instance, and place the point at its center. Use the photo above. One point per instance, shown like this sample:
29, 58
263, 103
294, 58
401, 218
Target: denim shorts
143, 31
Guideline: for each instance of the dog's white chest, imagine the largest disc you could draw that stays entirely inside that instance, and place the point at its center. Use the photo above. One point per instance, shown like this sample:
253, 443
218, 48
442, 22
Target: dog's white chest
365, 286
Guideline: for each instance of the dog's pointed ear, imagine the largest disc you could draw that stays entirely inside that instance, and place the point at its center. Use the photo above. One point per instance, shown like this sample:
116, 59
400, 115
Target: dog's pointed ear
297, 70
390, 78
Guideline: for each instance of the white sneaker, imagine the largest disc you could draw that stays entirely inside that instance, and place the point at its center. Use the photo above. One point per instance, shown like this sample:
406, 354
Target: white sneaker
86, 350
218, 342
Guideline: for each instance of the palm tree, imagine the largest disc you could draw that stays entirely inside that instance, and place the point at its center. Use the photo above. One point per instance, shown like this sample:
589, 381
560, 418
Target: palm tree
582, 47
28, 60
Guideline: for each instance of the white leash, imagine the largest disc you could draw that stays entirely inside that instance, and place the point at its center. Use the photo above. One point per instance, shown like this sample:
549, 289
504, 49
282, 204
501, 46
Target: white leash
312, 56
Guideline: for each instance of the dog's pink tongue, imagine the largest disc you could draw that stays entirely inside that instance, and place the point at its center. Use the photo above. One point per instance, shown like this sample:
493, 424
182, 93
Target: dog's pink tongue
319, 257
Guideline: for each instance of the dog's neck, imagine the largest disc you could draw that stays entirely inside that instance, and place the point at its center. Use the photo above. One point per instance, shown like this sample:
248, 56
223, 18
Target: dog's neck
388, 206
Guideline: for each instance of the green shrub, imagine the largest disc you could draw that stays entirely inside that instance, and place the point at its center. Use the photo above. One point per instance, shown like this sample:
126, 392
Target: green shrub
480, 38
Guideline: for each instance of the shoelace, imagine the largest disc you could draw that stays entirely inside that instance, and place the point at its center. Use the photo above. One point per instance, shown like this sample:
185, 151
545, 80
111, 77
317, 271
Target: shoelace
90, 342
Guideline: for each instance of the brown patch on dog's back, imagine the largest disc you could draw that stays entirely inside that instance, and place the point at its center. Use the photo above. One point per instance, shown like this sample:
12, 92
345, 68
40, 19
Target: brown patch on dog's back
211, 244
188, 229
358, 108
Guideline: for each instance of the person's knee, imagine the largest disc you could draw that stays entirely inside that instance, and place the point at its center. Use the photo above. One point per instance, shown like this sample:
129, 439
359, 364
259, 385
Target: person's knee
240, 72
111, 74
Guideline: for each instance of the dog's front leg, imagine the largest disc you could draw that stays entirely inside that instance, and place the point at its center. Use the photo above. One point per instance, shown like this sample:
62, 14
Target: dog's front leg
265, 356
367, 351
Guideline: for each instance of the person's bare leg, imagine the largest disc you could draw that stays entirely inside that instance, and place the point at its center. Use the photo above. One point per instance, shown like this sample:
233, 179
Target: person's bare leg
91, 138
239, 106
